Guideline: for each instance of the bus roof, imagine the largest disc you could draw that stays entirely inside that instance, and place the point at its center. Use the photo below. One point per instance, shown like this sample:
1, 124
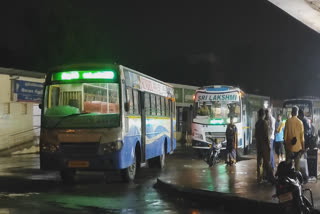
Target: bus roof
302, 99
216, 88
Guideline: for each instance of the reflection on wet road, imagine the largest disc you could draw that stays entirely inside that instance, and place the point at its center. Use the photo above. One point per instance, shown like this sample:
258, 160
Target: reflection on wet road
26, 189
239, 179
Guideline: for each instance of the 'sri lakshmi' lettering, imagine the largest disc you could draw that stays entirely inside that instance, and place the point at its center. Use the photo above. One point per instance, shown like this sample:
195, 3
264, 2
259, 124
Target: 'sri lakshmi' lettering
218, 97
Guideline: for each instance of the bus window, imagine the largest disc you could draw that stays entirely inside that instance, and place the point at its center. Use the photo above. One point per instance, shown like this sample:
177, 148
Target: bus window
167, 107
163, 107
158, 104
54, 96
130, 100
147, 103
153, 104
136, 108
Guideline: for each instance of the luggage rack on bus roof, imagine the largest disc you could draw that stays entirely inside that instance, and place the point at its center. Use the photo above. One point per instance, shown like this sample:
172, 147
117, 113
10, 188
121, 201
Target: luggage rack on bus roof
218, 88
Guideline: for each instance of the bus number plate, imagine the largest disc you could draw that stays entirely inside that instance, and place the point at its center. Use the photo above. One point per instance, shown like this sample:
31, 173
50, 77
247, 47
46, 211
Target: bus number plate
78, 164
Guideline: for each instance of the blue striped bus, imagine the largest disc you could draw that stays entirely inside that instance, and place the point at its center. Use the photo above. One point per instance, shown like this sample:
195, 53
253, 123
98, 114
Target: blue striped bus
223, 102
105, 117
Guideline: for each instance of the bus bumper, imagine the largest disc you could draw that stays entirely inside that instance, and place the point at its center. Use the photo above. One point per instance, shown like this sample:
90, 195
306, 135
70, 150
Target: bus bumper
200, 145
50, 161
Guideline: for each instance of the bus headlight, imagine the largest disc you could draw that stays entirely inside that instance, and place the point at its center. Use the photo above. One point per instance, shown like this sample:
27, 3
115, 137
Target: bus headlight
198, 135
113, 146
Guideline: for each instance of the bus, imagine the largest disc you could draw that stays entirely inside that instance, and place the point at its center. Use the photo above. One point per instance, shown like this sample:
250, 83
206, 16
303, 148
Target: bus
222, 103
105, 117
311, 109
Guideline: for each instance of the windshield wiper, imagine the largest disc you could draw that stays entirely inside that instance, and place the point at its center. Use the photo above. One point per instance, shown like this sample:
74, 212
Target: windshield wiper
68, 116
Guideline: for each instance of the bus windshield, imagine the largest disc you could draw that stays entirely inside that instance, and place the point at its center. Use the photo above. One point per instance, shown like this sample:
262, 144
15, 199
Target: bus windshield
304, 105
95, 100
217, 112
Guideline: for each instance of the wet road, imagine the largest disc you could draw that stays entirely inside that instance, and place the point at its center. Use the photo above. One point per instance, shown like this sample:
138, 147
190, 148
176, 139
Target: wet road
26, 189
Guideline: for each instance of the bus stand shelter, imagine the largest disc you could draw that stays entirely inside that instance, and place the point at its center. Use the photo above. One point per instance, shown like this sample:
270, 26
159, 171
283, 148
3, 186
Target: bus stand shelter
184, 103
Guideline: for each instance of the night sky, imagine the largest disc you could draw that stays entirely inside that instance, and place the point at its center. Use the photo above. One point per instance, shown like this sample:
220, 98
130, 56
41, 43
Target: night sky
248, 43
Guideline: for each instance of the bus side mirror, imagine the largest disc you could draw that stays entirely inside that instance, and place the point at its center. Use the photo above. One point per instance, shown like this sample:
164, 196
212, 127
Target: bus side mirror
40, 106
126, 106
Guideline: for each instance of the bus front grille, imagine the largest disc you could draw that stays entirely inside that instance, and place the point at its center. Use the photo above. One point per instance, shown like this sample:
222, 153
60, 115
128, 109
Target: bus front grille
214, 137
79, 149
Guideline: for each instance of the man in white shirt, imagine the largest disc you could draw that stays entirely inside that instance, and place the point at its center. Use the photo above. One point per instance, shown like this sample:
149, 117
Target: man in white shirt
271, 123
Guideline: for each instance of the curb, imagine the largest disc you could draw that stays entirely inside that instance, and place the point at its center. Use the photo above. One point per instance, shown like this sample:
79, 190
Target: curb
230, 203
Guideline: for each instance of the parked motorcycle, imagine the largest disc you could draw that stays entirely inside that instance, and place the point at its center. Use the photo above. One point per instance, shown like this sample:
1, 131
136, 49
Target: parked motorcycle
289, 190
212, 155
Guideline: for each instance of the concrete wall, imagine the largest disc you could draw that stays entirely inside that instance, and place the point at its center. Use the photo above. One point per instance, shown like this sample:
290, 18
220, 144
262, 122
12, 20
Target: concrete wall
306, 11
16, 118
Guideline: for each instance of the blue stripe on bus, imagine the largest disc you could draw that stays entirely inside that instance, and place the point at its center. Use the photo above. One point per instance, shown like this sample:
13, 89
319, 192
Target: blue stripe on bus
134, 130
124, 158
217, 89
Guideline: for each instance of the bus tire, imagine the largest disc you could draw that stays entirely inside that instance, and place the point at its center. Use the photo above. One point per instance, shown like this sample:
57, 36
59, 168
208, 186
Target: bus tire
68, 176
159, 161
129, 174
162, 158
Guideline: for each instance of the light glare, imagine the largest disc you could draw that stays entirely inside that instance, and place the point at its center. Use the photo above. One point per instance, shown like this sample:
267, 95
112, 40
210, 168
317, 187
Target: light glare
98, 75
70, 75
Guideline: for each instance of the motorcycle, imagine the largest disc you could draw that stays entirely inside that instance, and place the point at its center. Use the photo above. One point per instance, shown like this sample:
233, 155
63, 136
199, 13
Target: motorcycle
212, 155
289, 190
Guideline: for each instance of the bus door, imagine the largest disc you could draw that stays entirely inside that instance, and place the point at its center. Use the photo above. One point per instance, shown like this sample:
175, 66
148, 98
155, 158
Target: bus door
244, 127
171, 106
143, 125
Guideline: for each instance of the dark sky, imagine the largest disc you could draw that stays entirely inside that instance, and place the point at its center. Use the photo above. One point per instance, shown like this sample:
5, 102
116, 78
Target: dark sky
249, 43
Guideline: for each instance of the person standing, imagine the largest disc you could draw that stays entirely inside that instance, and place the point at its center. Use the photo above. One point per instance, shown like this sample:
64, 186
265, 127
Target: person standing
278, 138
294, 138
271, 124
306, 127
203, 110
263, 147
232, 139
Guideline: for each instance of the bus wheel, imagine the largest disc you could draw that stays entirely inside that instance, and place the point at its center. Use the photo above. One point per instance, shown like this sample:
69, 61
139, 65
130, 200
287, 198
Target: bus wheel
128, 174
158, 162
68, 176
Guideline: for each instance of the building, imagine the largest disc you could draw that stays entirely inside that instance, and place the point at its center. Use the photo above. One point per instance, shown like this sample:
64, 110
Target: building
20, 95
184, 102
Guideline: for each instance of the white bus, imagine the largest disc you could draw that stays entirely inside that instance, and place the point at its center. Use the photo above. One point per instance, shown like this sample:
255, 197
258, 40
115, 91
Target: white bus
104, 117
224, 102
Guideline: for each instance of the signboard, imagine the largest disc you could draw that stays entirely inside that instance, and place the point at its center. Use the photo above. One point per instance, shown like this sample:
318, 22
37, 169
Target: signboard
205, 97
155, 87
145, 84
27, 91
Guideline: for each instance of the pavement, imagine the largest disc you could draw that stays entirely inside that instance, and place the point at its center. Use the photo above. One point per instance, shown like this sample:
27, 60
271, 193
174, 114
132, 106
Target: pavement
223, 185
